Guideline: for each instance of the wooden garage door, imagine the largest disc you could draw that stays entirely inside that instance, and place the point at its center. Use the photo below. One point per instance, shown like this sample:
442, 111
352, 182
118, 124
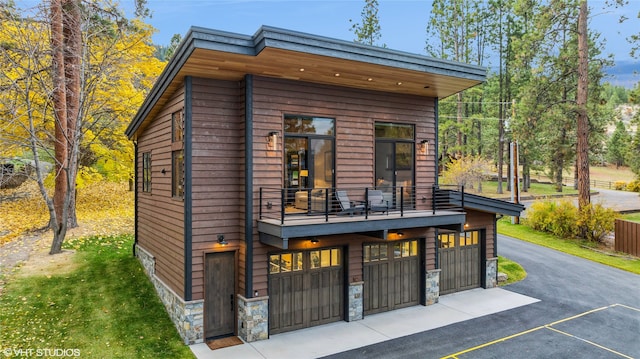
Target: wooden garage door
305, 289
459, 255
391, 276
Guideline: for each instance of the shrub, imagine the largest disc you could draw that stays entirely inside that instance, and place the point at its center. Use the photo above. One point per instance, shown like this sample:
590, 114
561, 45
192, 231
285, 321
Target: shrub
539, 215
564, 220
596, 221
557, 218
634, 186
620, 185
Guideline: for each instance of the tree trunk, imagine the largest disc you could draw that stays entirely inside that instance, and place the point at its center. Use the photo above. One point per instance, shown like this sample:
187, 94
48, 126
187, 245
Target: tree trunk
584, 197
60, 111
72, 62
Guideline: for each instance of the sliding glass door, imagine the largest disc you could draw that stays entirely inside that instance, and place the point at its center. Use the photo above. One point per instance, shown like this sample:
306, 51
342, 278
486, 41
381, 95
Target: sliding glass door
309, 161
394, 161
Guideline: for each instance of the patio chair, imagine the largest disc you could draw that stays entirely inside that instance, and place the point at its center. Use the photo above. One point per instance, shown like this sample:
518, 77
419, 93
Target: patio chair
347, 206
377, 203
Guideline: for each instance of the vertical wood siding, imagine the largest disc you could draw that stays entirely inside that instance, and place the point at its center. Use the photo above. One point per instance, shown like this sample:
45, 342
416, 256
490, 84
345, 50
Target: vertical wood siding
627, 237
160, 218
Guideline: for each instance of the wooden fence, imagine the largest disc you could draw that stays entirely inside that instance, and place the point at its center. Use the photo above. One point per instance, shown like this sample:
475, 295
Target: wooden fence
627, 237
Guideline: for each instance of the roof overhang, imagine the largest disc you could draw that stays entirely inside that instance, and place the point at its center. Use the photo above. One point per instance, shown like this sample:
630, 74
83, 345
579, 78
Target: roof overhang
279, 53
483, 204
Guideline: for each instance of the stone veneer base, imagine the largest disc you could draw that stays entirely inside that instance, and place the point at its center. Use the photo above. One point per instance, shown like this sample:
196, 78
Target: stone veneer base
432, 288
253, 318
491, 277
356, 301
188, 317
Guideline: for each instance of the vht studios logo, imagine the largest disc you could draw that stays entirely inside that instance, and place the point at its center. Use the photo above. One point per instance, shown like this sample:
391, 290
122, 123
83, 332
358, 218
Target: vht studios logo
42, 352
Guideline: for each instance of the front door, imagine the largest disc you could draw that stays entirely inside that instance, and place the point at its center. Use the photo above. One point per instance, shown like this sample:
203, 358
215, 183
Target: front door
220, 296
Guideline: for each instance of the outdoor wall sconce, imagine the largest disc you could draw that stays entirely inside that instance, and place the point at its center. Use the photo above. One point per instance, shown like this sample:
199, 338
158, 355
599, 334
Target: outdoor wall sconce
314, 240
255, 294
424, 147
163, 171
221, 240
272, 140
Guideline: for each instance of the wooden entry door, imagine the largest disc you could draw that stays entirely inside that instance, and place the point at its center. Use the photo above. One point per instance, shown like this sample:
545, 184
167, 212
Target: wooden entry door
220, 294
459, 255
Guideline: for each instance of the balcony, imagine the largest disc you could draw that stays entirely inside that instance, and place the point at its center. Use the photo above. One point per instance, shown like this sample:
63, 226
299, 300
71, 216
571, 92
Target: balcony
303, 213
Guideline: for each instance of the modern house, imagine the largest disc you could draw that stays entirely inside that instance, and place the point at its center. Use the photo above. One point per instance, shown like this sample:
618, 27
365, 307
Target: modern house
286, 180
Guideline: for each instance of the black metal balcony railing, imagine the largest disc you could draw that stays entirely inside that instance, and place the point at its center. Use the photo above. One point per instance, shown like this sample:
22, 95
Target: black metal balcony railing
287, 204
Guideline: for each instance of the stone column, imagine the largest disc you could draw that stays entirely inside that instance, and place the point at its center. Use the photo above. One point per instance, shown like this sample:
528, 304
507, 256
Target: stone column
491, 277
356, 305
432, 287
253, 318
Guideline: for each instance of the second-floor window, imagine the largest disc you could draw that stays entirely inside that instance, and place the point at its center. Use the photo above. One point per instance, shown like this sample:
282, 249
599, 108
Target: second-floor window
146, 172
177, 154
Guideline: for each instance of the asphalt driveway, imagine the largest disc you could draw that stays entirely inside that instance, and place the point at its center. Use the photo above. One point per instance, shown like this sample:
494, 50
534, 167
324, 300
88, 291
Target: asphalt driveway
586, 310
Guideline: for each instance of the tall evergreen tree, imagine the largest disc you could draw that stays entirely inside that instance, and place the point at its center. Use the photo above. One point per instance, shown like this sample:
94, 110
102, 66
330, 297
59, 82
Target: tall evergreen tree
368, 31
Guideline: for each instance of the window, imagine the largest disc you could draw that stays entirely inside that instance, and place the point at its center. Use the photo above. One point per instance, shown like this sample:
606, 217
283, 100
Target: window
146, 172
177, 154
177, 126
325, 258
285, 262
177, 176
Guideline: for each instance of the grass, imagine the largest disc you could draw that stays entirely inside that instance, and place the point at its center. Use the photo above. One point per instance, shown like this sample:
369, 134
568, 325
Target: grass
489, 189
513, 270
573, 247
104, 308
633, 217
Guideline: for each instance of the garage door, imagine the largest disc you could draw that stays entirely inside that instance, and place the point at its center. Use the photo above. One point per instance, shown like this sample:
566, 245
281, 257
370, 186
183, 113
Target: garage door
391, 276
459, 255
305, 289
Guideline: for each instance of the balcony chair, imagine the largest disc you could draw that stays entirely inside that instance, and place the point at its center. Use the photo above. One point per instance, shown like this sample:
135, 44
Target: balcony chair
347, 206
377, 203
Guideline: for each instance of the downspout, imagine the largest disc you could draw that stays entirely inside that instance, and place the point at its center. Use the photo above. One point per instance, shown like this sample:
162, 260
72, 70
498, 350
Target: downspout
135, 197
248, 186
437, 114
188, 199
435, 152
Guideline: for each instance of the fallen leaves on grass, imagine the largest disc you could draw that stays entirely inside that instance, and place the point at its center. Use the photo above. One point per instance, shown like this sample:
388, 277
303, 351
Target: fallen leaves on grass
103, 208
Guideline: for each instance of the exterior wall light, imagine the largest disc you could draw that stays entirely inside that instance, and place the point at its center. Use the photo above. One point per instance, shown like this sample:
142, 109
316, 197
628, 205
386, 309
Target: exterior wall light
424, 147
221, 240
272, 140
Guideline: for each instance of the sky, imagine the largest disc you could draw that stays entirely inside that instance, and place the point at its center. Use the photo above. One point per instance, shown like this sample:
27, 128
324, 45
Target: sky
403, 23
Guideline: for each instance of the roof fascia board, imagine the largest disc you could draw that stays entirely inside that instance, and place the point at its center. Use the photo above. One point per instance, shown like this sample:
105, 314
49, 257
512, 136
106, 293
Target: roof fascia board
266, 36
318, 45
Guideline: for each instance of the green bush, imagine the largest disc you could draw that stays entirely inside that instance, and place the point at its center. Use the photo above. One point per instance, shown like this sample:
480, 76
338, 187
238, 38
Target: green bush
620, 185
634, 186
557, 218
596, 221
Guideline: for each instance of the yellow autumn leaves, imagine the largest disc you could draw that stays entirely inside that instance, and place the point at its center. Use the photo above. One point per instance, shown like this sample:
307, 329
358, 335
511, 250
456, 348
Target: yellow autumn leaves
103, 208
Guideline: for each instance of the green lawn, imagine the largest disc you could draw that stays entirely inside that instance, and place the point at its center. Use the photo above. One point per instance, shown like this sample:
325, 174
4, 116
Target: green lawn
489, 189
574, 247
513, 270
105, 308
633, 217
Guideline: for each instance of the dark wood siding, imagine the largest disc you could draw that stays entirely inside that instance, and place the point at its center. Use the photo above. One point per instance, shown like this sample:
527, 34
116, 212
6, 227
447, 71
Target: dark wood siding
217, 172
160, 218
355, 112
